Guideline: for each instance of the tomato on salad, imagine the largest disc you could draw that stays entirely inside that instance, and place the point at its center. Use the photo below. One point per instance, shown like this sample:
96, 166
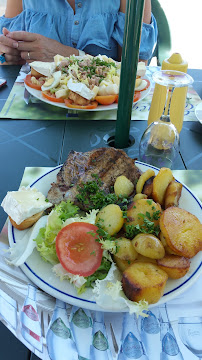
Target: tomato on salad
135, 99
71, 104
106, 99
77, 249
29, 83
51, 97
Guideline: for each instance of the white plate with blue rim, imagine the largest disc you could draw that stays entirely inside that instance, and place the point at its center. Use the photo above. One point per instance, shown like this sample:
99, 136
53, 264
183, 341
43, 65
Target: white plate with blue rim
198, 112
40, 272
38, 94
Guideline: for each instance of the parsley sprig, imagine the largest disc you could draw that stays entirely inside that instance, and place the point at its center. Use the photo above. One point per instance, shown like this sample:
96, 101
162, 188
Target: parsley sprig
91, 194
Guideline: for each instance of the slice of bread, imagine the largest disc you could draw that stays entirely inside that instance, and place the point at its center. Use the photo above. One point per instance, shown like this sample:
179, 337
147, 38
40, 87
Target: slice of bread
27, 222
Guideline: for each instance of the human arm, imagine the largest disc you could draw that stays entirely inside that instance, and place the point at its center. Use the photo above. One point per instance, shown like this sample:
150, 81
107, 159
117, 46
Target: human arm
146, 13
20, 46
148, 34
38, 47
13, 8
12, 55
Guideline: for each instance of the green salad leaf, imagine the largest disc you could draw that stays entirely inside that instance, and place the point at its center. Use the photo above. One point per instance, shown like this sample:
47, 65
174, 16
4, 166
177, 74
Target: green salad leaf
99, 274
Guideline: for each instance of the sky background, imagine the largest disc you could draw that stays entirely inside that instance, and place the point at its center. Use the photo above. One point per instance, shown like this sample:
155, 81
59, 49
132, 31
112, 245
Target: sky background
184, 17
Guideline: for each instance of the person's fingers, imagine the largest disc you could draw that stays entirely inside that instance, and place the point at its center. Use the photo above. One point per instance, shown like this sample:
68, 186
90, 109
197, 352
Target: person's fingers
5, 31
24, 46
8, 50
27, 55
12, 58
7, 41
21, 36
19, 62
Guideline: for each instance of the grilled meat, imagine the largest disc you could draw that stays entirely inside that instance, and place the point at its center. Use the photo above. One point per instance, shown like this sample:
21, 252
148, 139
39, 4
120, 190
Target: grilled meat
79, 168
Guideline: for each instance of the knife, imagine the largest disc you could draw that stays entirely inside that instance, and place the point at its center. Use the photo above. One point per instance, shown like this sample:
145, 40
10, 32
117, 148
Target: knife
27, 96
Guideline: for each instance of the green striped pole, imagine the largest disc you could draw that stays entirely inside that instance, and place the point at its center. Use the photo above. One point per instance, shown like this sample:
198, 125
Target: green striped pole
130, 55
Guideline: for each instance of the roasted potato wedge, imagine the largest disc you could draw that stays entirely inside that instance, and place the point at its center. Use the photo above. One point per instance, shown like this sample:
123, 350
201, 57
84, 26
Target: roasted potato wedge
142, 179
143, 206
182, 231
122, 265
110, 218
148, 245
142, 258
123, 186
173, 193
144, 281
139, 196
148, 187
168, 250
125, 249
160, 183
175, 266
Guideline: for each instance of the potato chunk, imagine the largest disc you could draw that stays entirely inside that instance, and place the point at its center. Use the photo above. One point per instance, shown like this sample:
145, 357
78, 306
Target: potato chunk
110, 218
182, 231
143, 206
142, 258
168, 250
123, 186
160, 183
173, 193
139, 196
125, 249
148, 245
144, 281
122, 264
142, 179
148, 187
175, 266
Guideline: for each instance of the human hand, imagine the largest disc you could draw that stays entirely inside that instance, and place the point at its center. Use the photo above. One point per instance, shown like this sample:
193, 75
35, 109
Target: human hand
12, 55
38, 47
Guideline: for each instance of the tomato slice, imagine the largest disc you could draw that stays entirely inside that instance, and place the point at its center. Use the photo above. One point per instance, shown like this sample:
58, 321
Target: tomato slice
146, 87
106, 99
77, 249
29, 83
136, 97
51, 97
71, 104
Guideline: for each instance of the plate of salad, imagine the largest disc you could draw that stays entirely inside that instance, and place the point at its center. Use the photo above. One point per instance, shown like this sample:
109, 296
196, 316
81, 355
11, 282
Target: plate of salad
102, 289
87, 83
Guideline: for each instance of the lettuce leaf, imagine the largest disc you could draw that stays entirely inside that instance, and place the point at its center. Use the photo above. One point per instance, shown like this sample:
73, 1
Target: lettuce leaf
66, 210
63, 274
110, 296
99, 274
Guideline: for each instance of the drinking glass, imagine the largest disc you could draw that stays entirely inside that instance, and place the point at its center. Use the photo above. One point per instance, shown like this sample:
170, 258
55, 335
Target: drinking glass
190, 331
159, 145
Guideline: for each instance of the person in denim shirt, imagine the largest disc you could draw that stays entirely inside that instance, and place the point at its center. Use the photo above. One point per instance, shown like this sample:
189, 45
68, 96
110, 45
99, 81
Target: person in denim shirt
38, 30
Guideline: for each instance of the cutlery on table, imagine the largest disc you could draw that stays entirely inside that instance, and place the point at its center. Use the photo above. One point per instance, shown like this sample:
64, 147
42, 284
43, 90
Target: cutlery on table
27, 96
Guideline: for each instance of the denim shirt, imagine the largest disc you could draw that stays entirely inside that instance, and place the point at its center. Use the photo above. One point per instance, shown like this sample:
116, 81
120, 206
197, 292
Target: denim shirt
95, 28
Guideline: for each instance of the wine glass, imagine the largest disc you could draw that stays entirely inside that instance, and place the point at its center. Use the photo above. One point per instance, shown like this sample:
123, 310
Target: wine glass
159, 145
190, 331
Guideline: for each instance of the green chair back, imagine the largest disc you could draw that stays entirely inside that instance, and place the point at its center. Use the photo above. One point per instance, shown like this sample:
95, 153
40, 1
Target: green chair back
163, 47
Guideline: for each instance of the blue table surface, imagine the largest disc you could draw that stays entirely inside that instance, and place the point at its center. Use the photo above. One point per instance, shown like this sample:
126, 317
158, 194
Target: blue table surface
47, 143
